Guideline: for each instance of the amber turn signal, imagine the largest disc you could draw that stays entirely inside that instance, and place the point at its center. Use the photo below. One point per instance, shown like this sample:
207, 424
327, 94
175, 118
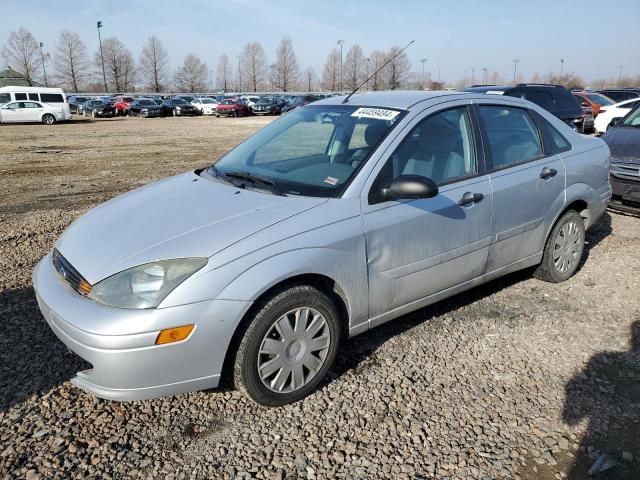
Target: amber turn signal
175, 334
84, 287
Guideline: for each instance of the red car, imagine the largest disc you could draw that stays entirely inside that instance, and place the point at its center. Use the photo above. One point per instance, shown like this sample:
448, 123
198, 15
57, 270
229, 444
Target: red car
593, 101
234, 107
122, 105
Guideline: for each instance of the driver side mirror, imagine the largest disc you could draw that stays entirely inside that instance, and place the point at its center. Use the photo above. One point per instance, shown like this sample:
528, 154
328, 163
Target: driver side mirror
616, 122
410, 187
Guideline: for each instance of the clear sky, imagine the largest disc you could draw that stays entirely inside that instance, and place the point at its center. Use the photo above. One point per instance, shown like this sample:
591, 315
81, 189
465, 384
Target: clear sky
594, 37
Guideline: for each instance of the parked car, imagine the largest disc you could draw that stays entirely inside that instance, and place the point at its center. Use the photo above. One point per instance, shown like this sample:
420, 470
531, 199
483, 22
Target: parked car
50, 96
620, 94
122, 104
609, 114
145, 107
76, 100
305, 234
29, 111
623, 138
98, 108
593, 101
232, 107
299, 101
268, 106
206, 105
178, 107
553, 98
249, 100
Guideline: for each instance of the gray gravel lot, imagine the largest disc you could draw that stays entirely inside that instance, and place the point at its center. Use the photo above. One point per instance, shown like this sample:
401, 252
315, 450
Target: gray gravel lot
514, 379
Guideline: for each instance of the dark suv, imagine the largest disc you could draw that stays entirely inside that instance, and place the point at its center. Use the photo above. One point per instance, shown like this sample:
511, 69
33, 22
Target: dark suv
620, 94
555, 99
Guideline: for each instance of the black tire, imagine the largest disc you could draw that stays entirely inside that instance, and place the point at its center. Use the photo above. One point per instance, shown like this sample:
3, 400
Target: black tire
548, 270
48, 119
246, 377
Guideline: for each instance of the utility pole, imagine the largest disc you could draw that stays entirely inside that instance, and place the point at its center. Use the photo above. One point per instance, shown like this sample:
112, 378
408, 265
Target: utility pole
368, 62
561, 67
104, 75
423, 61
464, 79
439, 80
515, 69
239, 74
340, 42
44, 70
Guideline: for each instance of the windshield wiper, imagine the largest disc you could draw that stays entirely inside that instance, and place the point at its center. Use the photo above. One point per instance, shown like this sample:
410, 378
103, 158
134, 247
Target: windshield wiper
255, 180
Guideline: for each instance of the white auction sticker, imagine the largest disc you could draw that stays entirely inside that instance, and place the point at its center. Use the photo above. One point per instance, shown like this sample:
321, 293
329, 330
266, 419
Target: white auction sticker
331, 180
377, 113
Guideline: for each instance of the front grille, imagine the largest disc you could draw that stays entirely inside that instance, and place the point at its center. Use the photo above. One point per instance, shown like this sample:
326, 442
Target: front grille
67, 272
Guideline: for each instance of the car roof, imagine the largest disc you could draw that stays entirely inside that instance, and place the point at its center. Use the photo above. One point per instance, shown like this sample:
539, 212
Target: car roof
402, 99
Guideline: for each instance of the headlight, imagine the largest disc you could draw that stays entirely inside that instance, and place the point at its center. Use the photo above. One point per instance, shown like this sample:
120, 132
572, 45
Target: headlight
145, 286
177, 108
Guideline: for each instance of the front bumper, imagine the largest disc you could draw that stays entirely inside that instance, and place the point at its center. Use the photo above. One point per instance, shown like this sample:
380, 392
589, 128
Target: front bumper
150, 113
120, 343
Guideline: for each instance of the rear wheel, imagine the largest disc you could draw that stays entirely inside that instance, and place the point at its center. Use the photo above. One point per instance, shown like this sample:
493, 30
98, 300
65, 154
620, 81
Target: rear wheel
48, 119
563, 251
288, 347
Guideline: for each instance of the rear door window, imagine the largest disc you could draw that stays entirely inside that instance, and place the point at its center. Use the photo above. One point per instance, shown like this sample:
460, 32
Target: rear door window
21, 96
51, 98
542, 98
4, 98
512, 134
554, 141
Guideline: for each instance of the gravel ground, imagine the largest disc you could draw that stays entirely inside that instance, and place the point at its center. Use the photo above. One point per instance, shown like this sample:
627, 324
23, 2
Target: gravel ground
514, 379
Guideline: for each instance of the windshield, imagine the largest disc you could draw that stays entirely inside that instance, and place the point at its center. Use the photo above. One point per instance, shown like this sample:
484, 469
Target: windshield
265, 101
633, 118
601, 99
312, 151
178, 101
229, 102
146, 102
206, 100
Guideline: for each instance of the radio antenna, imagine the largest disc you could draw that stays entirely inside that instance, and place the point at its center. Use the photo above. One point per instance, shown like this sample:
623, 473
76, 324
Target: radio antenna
376, 72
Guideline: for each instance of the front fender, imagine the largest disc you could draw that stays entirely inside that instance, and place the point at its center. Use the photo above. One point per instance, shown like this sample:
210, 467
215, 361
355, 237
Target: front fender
346, 268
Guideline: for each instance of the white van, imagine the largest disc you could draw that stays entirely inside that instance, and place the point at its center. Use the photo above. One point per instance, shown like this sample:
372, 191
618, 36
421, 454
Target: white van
51, 96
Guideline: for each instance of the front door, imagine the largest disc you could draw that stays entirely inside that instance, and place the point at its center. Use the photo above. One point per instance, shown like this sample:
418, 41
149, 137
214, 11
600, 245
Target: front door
13, 112
417, 248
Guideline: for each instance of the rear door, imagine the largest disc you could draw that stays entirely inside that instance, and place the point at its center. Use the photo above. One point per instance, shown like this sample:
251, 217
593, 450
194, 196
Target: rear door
528, 184
33, 112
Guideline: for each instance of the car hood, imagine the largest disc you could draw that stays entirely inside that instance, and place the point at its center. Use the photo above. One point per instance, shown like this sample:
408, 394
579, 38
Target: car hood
623, 141
182, 216
226, 106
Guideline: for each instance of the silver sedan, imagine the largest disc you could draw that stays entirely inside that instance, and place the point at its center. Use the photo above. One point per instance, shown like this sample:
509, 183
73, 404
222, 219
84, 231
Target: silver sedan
336, 218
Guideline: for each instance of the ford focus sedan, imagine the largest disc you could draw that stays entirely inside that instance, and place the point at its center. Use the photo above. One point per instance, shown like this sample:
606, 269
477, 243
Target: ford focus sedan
338, 217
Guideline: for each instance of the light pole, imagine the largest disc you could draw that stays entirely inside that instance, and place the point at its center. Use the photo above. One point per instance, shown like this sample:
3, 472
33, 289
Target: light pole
484, 75
620, 77
368, 62
472, 78
439, 79
340, 42
515, 68
239, 73
104, 75
211, 79
44, 70
561, 67
423, 61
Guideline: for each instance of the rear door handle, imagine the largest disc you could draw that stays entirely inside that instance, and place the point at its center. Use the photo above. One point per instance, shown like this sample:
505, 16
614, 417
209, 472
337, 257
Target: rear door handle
469, 198
548, 173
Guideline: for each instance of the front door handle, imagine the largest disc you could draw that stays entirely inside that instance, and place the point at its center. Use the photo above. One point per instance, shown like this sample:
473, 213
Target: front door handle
548, 173
469, 198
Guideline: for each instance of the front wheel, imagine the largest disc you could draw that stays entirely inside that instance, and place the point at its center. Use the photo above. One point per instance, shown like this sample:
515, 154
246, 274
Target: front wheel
48, 119
563, 251
288, 346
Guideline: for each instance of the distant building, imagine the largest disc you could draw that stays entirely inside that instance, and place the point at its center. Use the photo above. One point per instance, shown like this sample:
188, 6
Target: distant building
10, 77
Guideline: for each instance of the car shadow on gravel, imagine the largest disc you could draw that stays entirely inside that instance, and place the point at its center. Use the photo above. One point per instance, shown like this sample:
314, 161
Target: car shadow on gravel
32, 359
607, 394
596, 233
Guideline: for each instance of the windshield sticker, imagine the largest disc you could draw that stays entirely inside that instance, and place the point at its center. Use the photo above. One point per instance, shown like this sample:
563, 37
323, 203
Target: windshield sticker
331, 181
377, 113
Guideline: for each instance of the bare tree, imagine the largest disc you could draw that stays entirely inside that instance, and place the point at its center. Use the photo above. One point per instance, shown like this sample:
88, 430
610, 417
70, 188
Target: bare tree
154, 65
331, 71
377, 60
224, 72
253, 65
285, 72
397, 71
192, 75
22, 54
355, 66
310, 79
120, 68
71, 62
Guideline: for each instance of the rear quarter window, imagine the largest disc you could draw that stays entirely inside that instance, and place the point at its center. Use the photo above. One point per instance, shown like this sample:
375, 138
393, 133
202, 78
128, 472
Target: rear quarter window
554, 141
